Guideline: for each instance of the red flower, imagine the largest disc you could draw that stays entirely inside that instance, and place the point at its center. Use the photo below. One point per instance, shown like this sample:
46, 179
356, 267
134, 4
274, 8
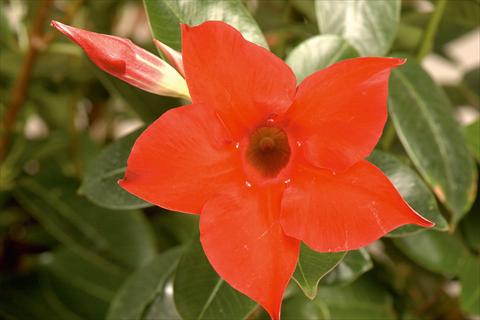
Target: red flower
265, 163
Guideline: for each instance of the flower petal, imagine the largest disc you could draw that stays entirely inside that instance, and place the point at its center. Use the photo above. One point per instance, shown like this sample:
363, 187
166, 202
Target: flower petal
345, 211
173, 56
339, 112
242, 81
122, 59
182, 160
243, 240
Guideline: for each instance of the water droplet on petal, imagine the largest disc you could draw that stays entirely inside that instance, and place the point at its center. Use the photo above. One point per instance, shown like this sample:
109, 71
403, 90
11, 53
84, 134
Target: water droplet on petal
237, 145
248, 184
299, 143
287, 181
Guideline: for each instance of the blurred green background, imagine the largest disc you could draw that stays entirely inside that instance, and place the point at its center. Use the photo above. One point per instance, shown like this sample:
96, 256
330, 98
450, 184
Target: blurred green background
76, 246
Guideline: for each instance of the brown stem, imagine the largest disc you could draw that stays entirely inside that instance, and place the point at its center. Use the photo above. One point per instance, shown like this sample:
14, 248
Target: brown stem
20, 87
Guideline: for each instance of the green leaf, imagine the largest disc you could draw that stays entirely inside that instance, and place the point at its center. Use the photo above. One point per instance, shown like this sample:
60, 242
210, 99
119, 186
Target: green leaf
436, 251
470, 226
363, 299
425, 124
355, 263
31, 298
317, 53
165, 17
144, 288
313, 266
370, 26
200, 293
79, 284
100, 181
465, 13
413, 190
121, 240
174, 228
469, 280
472, 132
147, 105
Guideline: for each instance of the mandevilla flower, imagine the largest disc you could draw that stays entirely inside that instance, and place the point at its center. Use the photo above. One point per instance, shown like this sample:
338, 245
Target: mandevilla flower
266, 164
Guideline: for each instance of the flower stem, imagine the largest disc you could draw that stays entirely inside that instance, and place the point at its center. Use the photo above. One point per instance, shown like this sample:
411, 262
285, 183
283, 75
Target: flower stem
429, 35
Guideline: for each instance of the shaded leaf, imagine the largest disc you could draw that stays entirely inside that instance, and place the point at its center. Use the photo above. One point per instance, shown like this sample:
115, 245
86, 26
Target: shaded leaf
413, 190
355, 263
165, 17
436, 251
472, 132
144, 288
100, 181
317, 53
424, 121
363, 299
80, 284
370, 26
122, 240
147, 105
200, 293
469, 280
30, 298
174, 228
313, 266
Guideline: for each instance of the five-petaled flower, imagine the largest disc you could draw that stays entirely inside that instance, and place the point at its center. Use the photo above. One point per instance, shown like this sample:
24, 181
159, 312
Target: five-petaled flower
265, 163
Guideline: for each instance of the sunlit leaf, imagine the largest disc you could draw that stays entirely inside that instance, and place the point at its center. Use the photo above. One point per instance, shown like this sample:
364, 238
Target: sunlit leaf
165, 17
413, 190
370, 26
424, 121
317, 53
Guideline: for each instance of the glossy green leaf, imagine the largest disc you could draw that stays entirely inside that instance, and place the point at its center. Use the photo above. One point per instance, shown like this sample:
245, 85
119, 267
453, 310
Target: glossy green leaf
200, 293
145, 287
436, 251
370, 26
313, 266
317, 53
424, 121
470, 280
165, 17
122, 240
79, 284
355, 263
472, 132
363, 299
413, 190
100, 181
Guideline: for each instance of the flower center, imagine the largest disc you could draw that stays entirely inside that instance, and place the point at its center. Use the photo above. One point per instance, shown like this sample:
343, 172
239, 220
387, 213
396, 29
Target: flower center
268, 150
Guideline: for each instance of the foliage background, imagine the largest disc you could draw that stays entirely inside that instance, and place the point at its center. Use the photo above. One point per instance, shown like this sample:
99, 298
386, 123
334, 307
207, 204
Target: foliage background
75, 246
